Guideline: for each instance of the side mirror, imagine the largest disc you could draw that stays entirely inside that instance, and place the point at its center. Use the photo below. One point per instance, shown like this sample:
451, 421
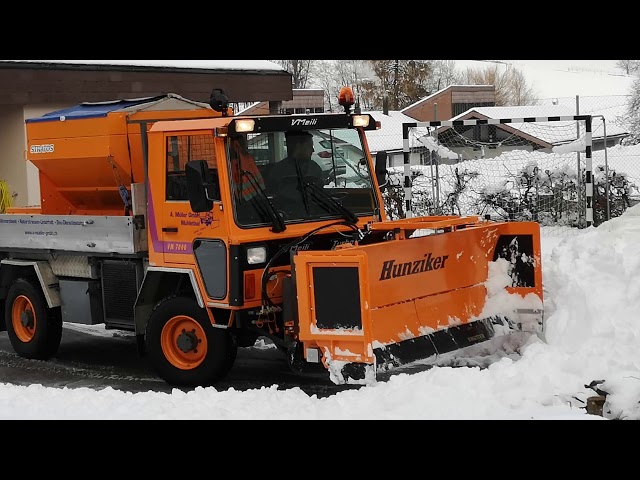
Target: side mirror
381, 169
198, 186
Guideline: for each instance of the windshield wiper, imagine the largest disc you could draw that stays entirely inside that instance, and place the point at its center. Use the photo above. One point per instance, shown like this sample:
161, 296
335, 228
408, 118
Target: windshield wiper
264, 205
330, 203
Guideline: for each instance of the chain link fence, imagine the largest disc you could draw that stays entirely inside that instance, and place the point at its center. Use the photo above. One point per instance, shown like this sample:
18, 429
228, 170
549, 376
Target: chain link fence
545, 178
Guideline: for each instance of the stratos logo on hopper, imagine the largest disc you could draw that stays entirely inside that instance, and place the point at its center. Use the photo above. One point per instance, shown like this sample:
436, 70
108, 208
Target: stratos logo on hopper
41, 148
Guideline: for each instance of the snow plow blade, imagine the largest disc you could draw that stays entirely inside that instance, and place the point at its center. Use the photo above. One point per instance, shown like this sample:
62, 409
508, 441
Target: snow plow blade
366, 309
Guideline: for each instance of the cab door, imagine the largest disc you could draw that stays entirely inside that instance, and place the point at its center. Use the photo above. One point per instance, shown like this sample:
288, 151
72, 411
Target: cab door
179, 224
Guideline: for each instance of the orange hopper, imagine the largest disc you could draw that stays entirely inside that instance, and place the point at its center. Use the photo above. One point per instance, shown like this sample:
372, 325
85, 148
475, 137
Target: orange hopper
89, 155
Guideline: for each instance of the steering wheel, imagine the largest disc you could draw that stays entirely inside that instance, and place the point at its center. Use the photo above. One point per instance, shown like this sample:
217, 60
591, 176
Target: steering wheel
287, 196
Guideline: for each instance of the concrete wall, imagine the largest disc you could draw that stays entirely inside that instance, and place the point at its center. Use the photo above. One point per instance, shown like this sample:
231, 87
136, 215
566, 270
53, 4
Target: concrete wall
12, 163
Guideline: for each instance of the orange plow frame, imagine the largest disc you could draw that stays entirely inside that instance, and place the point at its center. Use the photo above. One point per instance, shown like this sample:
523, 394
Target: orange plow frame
383, 305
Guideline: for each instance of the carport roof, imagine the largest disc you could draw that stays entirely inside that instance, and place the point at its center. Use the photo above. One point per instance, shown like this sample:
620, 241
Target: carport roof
32, 82
189, 65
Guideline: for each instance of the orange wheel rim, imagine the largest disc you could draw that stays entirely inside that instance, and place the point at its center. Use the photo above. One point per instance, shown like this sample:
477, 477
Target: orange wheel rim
23, 319
184, 342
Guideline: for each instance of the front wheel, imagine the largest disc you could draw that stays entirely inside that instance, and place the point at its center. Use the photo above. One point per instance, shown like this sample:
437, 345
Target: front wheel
34, 329
182, 345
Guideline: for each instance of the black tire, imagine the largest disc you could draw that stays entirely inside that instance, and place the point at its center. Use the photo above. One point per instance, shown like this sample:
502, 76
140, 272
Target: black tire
35, 331
182, 345
232, 353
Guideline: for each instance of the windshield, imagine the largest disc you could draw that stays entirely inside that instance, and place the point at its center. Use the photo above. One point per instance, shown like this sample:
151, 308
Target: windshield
305, 175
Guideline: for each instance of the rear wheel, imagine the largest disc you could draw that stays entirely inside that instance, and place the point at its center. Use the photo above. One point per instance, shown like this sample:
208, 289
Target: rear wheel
183, 346
34, 329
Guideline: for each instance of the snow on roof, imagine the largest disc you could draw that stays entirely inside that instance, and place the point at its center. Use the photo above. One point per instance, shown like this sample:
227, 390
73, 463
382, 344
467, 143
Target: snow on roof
195, 64
247, 108
519, 111
389, 136
560, 132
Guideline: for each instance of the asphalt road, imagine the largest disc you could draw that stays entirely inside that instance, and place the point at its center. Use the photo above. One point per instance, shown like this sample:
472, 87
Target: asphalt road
110, 359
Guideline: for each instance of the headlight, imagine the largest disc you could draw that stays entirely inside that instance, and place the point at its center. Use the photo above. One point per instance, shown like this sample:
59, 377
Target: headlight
361, 121
244, 125
256, 255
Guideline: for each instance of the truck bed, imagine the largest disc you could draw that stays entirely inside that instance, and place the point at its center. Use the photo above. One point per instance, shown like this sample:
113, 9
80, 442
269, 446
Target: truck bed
77, 233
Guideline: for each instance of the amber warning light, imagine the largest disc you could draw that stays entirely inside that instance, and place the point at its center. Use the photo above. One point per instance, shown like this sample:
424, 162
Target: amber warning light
345, 98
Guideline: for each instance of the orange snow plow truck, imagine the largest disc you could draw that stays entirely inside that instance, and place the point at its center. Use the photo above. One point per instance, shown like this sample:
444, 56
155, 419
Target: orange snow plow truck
200, 231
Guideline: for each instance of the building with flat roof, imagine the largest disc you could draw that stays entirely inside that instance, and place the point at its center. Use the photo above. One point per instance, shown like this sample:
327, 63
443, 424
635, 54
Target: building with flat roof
30, 88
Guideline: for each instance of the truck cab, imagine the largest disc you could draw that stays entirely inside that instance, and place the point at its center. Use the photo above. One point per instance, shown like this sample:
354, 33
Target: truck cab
219, 210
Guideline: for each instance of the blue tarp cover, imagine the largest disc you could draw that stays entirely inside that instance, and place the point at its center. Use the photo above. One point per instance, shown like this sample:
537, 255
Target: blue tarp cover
92, 110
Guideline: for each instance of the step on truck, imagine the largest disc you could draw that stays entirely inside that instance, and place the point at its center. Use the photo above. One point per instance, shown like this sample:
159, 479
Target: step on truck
173, 219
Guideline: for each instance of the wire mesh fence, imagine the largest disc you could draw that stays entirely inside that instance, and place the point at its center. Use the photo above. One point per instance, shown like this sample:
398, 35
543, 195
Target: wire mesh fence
535, 171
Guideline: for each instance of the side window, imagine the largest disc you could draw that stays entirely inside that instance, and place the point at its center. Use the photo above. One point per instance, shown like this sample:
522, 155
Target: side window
182, 149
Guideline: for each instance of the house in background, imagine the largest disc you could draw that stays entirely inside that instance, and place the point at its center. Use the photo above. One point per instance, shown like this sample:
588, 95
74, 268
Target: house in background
31, 88
451, 101
440, 105
304, 100
389, 137
488, 141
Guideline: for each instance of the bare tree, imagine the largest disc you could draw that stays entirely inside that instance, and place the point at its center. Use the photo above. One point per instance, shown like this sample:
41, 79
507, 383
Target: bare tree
332, 75
299, 70
350, 72
403, 82
488, 76
354, 74
520, 92
629, 66
323, 76
444, 74
511, 86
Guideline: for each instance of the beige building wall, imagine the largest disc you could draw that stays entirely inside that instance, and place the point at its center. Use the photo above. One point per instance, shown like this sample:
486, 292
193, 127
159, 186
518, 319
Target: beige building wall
21, 175
12, 163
